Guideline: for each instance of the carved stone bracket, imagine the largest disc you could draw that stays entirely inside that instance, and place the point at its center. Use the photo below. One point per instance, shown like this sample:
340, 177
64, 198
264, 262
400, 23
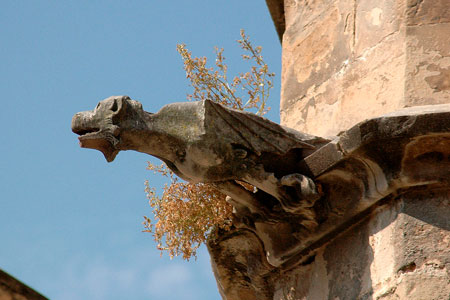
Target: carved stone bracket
371, 161
308, 189
364, 167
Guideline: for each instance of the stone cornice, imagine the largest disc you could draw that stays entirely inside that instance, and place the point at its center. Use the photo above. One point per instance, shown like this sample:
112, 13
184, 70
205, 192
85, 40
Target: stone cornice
367, 167
379, 158
307, 190
372, 161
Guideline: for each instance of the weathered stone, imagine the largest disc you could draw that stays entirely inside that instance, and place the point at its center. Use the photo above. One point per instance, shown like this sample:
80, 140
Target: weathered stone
428, 65
324, 45
380, 229
375, 21
239, 265
362, 168
421, 12
205, 142
400, 252
377, 174
345, 61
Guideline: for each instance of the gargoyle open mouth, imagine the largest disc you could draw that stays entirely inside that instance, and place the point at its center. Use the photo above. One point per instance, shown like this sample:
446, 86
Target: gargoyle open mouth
96, 138
83, 132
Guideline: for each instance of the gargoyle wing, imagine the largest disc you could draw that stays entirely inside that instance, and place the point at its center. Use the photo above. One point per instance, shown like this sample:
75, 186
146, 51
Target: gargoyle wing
253, 132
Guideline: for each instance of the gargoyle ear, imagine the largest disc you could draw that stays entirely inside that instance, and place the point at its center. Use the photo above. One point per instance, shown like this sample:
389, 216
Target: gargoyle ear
119, 104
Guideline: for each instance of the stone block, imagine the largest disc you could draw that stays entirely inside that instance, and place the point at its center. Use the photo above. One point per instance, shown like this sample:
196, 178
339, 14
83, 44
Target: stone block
420, 12
346, 61
427, 76
374, 22
381, 228
361, 89
401, 252
314, 48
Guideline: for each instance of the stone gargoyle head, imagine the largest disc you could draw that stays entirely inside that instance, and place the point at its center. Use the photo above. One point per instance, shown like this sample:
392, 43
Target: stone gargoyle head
101, 127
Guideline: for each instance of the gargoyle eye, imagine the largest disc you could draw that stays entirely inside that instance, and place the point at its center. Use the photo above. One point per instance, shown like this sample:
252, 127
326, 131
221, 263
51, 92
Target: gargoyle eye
98, 105
114, 106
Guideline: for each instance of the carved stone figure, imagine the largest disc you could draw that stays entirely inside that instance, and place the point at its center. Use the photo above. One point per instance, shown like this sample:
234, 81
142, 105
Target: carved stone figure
205, 142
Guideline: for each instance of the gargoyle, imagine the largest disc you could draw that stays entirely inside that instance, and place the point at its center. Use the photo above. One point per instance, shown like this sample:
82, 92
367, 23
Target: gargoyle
205, 142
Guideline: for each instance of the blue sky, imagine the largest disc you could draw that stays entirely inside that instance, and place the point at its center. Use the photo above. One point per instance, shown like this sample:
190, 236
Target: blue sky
70, 223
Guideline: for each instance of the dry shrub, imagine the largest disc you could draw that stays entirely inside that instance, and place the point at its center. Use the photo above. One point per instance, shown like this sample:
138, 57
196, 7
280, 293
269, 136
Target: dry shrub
186, 214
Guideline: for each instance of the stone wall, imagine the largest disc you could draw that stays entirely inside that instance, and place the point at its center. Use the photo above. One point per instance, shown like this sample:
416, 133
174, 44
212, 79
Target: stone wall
345, 61
382, 222
383, 228
401, 252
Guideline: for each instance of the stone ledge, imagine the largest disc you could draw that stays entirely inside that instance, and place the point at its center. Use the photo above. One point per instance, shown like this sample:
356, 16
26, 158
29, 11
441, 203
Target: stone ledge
406, 123
369, 165
363, 165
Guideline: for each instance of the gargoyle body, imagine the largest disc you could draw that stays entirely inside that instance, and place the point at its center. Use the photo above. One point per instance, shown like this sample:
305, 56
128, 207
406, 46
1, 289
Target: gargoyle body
205, 142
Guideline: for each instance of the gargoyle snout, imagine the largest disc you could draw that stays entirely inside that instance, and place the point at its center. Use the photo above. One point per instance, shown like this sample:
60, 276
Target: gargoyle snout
83, 123
100, 128
96, 132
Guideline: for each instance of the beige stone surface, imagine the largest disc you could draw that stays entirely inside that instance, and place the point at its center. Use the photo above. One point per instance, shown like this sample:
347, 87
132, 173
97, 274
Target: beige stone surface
401, 252
427, 78
420, 12
390, 175
345, 61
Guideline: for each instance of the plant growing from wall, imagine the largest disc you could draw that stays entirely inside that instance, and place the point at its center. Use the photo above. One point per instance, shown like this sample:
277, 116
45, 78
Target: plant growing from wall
187, 214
